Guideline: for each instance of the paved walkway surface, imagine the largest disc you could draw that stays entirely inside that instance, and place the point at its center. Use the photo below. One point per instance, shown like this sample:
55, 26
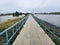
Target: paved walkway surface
32, 34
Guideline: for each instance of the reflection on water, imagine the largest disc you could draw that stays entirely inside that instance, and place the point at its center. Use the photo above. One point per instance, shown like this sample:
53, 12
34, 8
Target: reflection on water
54, 19
8, 17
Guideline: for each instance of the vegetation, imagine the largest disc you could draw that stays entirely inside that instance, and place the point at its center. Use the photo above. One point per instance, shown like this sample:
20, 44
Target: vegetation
5, 25
53, 38
58, 13
14, 13
57, 42
54, 13
17, 13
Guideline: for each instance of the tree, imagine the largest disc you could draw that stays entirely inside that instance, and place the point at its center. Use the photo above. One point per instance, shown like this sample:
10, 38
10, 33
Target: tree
17, 14
20, 13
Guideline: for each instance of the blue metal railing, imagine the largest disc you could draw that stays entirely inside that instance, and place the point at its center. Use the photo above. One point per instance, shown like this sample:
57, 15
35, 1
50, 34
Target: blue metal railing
41, 23
18, 26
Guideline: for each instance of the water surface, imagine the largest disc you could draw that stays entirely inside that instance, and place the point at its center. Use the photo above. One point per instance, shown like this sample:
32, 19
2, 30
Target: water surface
53, 19
8, 17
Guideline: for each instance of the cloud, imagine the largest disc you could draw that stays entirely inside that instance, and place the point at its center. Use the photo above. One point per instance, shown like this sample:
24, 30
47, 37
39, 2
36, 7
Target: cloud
50, 6
28, 5
52, 3
20, 5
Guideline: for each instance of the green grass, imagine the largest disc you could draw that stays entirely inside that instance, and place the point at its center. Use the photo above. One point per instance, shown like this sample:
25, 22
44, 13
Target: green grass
57, 42
5, 25
53, 38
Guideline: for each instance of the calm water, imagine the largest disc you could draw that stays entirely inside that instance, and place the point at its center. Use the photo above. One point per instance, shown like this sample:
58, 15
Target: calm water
54, 19
6, 18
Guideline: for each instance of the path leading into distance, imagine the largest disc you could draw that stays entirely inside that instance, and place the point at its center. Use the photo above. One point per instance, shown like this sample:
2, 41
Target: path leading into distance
32, 34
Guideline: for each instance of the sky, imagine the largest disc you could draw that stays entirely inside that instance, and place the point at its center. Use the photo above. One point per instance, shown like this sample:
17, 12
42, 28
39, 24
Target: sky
7, 6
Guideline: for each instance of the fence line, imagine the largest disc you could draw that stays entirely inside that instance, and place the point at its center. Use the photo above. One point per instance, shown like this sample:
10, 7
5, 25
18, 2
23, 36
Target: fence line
41, 23
18, 25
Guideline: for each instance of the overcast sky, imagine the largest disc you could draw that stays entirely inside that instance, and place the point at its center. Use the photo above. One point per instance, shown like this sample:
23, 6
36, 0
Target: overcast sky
29, 5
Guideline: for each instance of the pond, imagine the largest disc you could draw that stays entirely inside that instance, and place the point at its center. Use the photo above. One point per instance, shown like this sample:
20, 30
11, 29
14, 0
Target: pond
8, 17
53, 19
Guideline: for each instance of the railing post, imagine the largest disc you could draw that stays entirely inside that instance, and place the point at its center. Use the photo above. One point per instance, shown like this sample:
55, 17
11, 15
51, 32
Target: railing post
48, 26
6, 38
16, 27
13, 30
54, 29
45, 25
18, 24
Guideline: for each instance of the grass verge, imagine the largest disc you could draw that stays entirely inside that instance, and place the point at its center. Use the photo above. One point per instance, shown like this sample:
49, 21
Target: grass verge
57, 42
5, 25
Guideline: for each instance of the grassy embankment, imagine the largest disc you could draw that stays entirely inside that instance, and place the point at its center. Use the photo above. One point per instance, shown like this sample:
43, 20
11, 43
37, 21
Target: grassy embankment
5, 25
57, 42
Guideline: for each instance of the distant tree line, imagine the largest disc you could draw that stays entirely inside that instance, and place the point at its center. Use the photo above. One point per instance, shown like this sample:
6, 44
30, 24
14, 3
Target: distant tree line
15, 13
20, 13
55, 13
50, 13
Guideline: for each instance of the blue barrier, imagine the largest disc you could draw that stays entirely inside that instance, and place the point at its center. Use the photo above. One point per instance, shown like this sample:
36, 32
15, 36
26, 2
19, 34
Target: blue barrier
18, 26
41, 23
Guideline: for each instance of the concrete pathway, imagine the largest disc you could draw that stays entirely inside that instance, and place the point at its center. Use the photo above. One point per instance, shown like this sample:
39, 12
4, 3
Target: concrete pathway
32, 34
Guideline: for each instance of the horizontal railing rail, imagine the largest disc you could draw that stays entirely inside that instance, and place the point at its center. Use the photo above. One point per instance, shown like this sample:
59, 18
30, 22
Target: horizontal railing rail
41, 23
18, 25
